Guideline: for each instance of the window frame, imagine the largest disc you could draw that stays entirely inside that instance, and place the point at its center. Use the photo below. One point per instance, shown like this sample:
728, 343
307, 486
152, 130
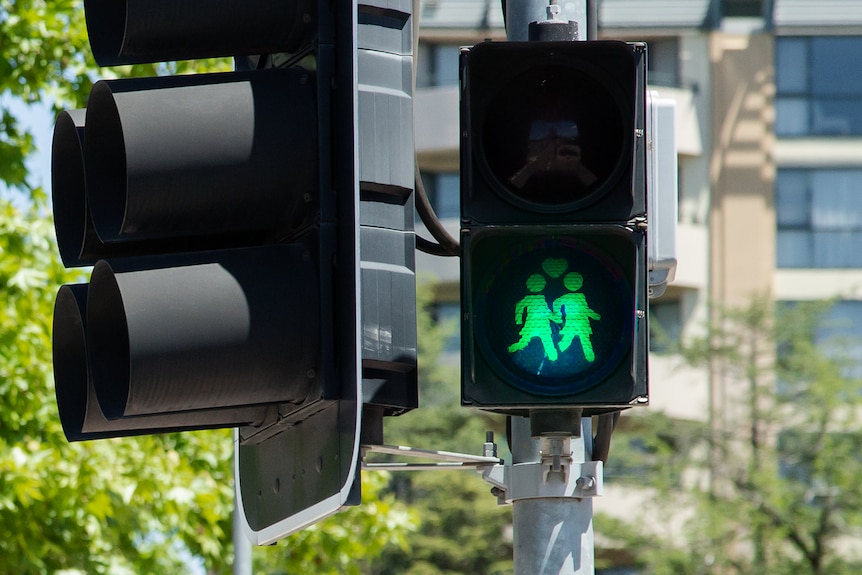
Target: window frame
806, 107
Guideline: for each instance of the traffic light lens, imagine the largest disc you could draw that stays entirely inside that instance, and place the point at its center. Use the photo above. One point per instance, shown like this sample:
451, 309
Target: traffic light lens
553, 312
568, 137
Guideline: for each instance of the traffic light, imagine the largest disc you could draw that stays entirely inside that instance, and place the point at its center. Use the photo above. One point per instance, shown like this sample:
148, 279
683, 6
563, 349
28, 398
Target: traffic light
251, 240
553, 225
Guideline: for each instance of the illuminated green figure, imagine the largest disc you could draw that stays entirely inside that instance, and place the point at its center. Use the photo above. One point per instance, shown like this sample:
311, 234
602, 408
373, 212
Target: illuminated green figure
573, 313
533, 313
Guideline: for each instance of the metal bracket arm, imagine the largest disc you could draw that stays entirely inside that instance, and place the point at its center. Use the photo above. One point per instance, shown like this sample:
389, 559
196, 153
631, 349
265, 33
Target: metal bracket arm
443, 459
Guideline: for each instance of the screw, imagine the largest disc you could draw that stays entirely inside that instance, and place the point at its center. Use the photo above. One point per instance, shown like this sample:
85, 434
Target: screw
586, 483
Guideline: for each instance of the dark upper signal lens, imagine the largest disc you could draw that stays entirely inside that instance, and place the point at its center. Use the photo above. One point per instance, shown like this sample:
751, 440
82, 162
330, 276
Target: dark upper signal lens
569, 137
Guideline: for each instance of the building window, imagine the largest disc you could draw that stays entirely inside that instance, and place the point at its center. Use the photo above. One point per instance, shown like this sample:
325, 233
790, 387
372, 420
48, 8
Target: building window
743, 8
818, 84
837, 335
665, 325
437, 65
819, 218
663, 62
449, 314
798, 449
444, 193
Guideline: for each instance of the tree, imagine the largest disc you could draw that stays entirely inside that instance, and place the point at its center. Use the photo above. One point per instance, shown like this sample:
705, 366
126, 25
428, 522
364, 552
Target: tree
95, 506
346, 543
137, 505
773, 485
461, 529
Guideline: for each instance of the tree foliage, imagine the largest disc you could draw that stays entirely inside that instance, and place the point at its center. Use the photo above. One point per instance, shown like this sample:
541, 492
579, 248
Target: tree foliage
348, 542
97, 506
771, 486
462, 529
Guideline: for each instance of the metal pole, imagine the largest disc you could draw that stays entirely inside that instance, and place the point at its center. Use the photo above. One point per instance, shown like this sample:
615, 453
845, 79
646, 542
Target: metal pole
592, 26
552, 535
519, 14
242, 562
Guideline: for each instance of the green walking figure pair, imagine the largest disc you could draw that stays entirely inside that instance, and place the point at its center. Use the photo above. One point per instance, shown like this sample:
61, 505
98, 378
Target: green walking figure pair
570, 311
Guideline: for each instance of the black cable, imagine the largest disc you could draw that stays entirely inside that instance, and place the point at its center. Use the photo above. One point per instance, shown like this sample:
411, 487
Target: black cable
430, 247
446, 245
602, 440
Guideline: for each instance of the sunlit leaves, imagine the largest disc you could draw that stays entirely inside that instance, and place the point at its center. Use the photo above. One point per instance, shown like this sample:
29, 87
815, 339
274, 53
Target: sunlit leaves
93, 505
344, 543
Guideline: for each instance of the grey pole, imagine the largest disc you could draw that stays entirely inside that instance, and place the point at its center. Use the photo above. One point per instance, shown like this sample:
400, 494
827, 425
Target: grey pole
552, 535
519, 14
242, 564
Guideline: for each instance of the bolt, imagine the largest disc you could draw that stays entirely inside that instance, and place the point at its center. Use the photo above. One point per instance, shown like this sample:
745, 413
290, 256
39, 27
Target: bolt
489, 449
586, 483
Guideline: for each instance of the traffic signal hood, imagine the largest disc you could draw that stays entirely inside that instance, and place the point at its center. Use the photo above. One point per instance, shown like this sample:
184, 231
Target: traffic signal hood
196, 198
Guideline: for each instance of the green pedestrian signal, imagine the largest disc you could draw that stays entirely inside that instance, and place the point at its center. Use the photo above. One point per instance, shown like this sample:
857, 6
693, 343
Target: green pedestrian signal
532, 312
551, 311
574, 314
553, 226
570, 311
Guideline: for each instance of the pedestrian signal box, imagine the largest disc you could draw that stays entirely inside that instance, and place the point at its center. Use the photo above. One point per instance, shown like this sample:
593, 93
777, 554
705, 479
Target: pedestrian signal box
554, 226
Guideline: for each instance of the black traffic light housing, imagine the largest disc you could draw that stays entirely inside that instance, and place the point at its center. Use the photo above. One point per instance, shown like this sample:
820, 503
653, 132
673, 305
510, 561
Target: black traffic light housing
251, 237
554, 215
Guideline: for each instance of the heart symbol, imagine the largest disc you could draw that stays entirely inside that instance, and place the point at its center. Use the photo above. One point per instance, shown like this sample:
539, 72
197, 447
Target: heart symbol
555, 267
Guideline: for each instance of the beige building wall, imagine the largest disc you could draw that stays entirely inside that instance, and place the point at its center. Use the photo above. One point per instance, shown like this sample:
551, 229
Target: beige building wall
742, 215
742, 168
